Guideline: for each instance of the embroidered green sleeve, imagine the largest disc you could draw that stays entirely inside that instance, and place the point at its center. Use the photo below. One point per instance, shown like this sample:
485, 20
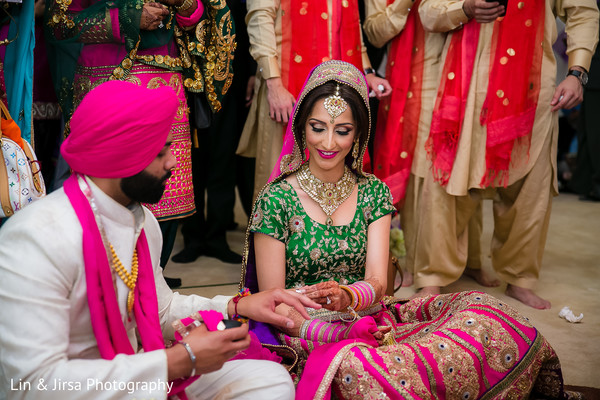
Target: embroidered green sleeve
379, 200
269, 215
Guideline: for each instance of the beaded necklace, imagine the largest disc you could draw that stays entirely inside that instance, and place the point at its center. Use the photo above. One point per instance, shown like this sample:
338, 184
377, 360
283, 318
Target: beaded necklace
329, 196
129, 279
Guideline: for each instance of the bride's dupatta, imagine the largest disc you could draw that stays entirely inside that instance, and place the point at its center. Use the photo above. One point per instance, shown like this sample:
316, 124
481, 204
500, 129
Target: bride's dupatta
292, 157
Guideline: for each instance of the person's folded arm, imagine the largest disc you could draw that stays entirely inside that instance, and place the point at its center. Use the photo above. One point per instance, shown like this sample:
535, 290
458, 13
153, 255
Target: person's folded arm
442, 15
384, 22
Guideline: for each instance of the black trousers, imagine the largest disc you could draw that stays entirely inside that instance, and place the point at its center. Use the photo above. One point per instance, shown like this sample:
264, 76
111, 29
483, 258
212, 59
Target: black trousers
216, 171
586, 178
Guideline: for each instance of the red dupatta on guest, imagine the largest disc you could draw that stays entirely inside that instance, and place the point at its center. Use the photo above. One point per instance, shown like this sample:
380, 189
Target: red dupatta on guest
513, 90
398, 116
306, 38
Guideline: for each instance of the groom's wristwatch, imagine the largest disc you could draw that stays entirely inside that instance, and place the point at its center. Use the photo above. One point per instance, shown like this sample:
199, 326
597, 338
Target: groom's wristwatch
581, 75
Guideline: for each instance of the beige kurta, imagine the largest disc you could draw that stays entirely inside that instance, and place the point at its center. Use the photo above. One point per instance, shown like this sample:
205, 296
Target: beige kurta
581, 19
522, 209
262, 137
382, 24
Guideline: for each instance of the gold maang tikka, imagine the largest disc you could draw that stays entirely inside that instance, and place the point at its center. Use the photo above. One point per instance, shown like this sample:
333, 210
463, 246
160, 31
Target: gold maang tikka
335, 105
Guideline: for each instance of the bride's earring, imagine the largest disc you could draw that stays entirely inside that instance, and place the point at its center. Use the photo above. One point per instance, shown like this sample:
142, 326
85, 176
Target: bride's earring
355, 150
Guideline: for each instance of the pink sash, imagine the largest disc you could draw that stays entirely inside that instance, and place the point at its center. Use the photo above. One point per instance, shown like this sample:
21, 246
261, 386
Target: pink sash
106, 318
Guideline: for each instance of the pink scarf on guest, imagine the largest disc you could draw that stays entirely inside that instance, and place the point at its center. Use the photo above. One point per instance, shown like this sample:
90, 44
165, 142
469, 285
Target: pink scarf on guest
398, 116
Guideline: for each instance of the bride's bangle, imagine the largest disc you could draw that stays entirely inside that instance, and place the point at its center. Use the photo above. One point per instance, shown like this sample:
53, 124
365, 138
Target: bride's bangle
352, 295
362, 294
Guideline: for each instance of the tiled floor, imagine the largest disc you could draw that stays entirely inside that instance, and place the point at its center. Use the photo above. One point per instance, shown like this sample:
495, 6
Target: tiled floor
570, 277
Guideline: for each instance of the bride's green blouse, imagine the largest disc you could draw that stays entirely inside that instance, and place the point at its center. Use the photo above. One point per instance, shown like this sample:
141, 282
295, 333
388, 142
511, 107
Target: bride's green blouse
316, 252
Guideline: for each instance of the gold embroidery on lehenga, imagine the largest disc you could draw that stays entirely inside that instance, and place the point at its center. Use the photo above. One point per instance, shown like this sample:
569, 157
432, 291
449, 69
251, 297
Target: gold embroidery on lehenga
415, 348
517, 384
353, 381
333, 369
507, 321
398, 385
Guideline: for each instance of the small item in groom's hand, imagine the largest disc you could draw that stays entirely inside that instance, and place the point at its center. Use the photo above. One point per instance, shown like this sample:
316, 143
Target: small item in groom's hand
228, 324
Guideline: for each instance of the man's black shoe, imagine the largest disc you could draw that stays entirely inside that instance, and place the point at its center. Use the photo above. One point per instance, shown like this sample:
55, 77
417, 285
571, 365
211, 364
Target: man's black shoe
173, 282
223, 254
186, 256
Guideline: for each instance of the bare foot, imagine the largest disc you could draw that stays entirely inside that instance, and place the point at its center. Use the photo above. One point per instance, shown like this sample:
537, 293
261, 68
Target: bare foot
426, 291
481, 277
407, 278
526, 296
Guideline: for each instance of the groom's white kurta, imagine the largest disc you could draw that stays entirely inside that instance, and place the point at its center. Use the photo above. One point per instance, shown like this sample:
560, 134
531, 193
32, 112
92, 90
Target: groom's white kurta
46, 337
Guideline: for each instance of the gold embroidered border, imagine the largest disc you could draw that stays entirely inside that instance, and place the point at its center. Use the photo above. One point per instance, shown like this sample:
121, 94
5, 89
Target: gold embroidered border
333, 368
503, 318
516, 372
61, 17
390, 379
430, 374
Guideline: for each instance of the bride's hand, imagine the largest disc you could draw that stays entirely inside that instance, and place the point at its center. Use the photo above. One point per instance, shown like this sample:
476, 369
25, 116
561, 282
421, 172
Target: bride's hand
328, 294
382, 330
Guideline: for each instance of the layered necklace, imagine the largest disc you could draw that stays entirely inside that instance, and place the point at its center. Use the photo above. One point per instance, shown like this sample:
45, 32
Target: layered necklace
329, 196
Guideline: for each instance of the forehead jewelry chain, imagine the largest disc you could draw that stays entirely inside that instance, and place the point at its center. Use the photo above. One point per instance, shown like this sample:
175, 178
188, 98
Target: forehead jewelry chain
329, 196
335, 105
128, 279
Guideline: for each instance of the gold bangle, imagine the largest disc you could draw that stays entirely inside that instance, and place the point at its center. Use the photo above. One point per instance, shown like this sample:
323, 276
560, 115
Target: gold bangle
353, 300
185, 5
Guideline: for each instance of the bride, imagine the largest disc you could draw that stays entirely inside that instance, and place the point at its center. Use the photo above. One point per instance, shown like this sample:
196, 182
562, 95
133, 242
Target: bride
321, 227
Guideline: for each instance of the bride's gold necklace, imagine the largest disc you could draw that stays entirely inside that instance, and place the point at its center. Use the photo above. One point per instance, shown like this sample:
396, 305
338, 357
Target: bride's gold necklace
329, 196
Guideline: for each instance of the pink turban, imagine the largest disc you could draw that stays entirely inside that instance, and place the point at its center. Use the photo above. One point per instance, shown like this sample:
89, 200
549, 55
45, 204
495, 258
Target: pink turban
118, 129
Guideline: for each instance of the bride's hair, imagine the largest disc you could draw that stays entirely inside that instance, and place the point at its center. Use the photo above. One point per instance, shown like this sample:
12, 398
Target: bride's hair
355, 102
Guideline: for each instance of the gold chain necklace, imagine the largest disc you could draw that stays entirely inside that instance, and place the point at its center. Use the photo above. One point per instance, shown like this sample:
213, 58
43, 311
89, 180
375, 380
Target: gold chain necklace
329, 196
130, 280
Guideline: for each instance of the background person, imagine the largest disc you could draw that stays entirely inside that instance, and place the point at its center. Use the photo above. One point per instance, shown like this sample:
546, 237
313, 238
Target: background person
495, 127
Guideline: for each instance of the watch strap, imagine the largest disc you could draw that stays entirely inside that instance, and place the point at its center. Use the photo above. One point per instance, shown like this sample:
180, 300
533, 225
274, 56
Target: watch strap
579, 75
